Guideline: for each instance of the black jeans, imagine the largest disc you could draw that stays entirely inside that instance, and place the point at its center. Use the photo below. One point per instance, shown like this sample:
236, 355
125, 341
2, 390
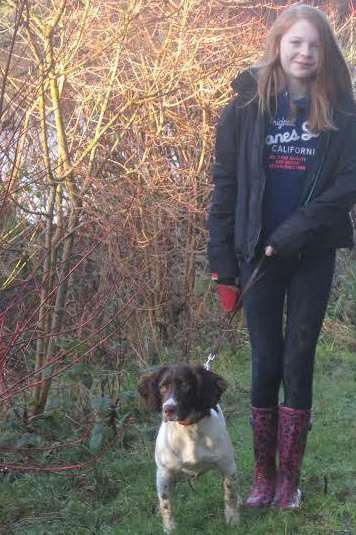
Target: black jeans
285, 354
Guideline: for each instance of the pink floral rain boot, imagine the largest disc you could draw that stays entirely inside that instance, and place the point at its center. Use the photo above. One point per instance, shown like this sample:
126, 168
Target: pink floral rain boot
293, 427
264, 424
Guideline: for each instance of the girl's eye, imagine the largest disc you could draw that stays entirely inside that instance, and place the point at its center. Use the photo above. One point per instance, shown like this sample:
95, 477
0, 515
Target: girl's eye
163, 388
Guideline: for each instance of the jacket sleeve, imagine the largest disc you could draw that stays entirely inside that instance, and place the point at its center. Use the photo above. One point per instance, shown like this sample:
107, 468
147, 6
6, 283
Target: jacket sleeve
221, 220
324, 211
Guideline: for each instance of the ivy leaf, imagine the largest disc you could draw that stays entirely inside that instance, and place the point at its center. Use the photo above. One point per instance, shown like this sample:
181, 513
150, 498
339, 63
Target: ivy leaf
87, 380
101, 404
29, 440
97, 437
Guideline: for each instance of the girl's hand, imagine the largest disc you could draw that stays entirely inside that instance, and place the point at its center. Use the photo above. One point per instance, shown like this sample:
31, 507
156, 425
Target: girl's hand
269, 251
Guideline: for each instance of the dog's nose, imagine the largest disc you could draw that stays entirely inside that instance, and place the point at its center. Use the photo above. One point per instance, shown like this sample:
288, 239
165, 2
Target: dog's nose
169, 410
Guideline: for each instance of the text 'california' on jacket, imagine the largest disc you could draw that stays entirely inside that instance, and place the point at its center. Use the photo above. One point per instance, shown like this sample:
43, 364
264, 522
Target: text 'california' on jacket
322, 219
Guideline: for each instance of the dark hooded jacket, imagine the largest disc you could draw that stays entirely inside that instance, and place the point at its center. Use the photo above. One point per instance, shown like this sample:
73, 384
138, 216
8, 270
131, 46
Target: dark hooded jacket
322, 218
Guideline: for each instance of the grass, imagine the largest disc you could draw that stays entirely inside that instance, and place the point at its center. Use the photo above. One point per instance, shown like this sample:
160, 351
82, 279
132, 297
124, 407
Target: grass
117, 496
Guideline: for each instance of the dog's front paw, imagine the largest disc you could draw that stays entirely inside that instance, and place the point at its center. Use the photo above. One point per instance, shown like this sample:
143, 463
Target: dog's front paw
169, 527
232, 516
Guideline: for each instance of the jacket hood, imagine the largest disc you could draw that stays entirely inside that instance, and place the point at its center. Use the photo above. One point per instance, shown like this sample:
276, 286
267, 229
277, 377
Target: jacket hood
245, 84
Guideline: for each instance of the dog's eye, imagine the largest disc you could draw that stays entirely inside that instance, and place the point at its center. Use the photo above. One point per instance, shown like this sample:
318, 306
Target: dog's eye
186, 387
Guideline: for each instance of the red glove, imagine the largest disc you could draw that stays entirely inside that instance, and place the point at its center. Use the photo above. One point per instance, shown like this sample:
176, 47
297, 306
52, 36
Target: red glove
229, 297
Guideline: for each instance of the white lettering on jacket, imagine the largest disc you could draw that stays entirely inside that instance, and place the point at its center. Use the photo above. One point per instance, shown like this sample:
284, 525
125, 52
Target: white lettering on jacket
288, 137
293, 150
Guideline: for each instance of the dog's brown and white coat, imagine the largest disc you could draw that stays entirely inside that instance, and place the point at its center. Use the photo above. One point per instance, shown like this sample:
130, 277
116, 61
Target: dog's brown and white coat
192, 437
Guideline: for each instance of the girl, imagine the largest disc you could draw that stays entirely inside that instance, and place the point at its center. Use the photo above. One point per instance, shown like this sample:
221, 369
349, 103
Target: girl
285, 182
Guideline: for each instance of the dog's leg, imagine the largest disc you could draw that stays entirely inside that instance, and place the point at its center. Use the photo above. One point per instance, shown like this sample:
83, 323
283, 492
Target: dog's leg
231, 497
164, 485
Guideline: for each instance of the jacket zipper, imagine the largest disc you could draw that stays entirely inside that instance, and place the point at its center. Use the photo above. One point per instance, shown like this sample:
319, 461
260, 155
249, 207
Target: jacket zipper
261, 148
313, 186
317, 173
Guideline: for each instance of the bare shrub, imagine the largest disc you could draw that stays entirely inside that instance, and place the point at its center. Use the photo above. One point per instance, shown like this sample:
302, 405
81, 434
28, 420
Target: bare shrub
109, 111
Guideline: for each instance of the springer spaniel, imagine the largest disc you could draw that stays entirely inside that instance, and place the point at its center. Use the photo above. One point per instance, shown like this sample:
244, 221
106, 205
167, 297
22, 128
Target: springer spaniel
192, 437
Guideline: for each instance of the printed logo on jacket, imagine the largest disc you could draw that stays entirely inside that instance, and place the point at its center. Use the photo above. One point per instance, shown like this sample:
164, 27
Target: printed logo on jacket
289, 145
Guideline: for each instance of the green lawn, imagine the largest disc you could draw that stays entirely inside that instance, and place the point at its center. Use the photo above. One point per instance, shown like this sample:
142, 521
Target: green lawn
117, 495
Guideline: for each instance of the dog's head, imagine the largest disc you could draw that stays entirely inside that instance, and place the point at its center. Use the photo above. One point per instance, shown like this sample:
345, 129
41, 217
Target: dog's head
182, 392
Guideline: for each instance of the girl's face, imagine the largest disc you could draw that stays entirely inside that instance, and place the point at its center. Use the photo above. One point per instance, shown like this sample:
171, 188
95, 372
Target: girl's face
300, 51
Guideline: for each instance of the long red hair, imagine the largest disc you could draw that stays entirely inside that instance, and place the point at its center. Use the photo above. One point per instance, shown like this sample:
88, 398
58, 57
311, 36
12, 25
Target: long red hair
329, 86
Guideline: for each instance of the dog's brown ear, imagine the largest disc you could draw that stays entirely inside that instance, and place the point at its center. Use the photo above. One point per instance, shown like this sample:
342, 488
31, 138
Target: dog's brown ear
148, 389
210, 387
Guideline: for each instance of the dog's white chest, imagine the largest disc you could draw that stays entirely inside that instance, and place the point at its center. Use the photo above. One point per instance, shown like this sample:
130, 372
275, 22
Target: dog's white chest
193, 449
